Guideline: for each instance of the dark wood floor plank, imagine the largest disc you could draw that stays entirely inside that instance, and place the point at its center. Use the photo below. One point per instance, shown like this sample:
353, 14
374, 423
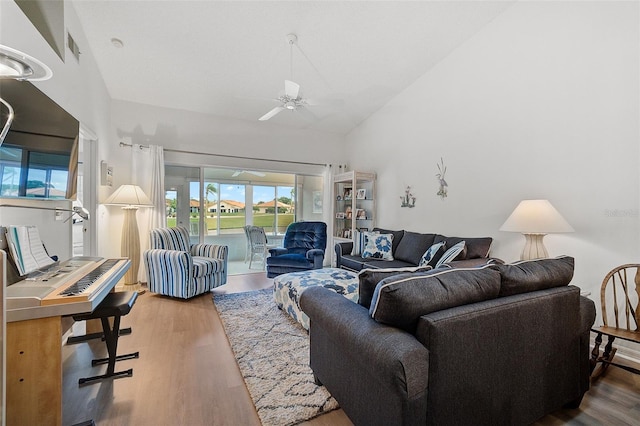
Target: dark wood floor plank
187, 374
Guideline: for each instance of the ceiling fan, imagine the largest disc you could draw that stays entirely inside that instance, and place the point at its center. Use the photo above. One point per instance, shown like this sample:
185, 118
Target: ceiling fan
291, 100
251, 172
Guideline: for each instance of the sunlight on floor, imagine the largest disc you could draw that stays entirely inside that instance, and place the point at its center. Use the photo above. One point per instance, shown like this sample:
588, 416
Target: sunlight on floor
236, 267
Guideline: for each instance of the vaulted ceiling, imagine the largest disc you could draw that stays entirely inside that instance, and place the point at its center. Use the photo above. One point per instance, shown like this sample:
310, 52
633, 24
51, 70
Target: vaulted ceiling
231, 58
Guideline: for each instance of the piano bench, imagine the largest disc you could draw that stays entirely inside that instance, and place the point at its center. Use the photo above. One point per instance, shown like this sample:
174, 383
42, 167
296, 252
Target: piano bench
114, 305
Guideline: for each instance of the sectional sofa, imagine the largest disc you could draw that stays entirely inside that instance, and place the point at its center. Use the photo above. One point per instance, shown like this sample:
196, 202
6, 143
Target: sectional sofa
495, 345
408, 248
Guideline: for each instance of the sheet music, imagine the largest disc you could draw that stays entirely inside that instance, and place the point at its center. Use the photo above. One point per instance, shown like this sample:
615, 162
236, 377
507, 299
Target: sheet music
26, 249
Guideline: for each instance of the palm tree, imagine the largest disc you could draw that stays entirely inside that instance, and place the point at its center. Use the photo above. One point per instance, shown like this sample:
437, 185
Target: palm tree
211, 188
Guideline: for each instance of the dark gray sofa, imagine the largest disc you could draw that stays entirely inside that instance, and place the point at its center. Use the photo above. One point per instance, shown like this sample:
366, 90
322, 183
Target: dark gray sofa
408, 247
497, 345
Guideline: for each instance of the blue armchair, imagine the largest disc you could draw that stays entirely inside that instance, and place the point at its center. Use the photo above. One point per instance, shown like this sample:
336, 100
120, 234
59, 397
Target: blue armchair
177, 269
303, 249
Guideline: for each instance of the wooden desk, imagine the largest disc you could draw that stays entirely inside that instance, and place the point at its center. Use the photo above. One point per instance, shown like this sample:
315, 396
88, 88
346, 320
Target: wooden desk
34, 362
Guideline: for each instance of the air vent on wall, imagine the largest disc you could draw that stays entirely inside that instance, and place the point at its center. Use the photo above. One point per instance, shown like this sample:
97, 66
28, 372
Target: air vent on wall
73, 47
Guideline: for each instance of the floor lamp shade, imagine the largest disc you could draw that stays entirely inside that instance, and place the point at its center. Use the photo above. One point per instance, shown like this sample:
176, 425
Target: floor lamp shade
535, 219
130, 198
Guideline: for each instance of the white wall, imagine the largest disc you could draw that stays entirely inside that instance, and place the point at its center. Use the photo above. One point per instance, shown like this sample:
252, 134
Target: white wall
541, 103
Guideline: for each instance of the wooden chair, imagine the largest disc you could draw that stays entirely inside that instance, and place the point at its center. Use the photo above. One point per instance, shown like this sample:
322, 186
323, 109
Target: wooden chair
620, 301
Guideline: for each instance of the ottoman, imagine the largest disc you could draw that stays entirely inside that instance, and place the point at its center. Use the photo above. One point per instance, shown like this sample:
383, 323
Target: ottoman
287, 288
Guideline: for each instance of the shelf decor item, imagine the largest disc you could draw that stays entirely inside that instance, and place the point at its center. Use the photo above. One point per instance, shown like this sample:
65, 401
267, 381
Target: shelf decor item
361, 194
442, 192
408, 199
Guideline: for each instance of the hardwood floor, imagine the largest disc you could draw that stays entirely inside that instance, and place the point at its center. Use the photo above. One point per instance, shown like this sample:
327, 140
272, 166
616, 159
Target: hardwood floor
187, 374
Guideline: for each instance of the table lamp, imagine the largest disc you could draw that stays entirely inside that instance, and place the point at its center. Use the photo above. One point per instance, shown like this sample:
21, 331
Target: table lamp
535, 219
130, 197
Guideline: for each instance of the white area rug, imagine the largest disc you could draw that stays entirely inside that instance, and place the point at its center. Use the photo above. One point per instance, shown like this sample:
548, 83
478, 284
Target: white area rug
272, 351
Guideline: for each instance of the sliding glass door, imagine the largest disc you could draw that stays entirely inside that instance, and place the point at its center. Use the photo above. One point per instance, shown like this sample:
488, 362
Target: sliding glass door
215, 203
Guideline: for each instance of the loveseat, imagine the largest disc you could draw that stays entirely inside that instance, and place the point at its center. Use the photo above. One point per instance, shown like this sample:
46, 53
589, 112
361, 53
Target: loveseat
408, 248
495, 345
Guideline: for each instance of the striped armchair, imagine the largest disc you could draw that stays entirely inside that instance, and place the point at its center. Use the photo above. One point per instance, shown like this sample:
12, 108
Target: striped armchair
177, 269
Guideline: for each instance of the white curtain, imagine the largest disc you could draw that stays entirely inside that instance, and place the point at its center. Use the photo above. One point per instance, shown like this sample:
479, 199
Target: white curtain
327, 211
148, 173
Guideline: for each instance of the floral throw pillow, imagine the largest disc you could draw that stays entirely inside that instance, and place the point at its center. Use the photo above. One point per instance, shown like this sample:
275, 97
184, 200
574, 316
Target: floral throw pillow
378, 246
432, 255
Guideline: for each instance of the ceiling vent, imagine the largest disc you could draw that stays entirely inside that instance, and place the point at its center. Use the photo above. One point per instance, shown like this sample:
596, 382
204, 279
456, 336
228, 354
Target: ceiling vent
73, 47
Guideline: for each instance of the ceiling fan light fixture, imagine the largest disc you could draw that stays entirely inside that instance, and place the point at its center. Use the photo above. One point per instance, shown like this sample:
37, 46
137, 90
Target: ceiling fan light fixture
291, 105
17, 65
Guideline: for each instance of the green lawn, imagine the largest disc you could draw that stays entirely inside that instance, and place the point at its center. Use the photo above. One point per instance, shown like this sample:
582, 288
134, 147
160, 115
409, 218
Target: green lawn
232, 221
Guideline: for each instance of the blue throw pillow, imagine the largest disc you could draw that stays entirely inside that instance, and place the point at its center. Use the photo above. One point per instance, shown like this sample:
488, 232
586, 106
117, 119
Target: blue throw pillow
432, 255
450, 254
378, 246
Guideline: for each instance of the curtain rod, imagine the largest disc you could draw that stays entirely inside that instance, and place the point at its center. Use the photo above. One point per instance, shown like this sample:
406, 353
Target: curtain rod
122, 144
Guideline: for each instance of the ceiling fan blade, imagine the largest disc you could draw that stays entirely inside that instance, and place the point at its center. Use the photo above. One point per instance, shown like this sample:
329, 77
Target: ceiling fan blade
291, 89
236, 173
271, 113
259, 174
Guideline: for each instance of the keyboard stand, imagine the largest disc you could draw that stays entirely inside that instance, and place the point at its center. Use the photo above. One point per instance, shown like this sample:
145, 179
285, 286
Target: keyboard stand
72, 340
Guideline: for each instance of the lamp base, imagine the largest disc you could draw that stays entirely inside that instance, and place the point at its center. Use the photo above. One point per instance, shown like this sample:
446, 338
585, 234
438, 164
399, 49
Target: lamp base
534, 247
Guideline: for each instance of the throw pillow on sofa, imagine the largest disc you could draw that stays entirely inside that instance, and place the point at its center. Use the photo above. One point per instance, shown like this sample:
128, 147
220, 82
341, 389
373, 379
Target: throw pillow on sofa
369, 279
378, 247
401, 302
360, 241
475, 247
450, 254
532, 275
397, 236
432, 255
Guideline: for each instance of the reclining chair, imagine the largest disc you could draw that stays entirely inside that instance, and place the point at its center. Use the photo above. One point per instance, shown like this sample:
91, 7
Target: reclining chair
303, 249
177, 269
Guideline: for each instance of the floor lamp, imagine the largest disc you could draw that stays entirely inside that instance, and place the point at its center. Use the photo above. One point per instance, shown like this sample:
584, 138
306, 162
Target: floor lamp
130, 197
535, 219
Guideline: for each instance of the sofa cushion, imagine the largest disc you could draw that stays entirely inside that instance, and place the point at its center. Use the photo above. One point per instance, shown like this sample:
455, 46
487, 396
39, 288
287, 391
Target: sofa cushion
400, 301
432, 255
451, 254
412, 247
397, 236
532, 275
369, 279
378, 246
203, 266
474, 247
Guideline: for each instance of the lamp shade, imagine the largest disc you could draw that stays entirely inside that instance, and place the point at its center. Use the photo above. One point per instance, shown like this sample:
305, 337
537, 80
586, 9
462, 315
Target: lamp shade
536, 217
129, 195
